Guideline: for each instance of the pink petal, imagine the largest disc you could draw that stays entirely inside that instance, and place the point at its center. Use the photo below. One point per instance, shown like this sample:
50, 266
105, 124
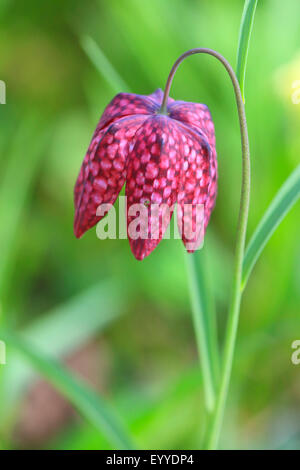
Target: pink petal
195, 202
127, 104
103, 171
196, 115
81, 180
154, 169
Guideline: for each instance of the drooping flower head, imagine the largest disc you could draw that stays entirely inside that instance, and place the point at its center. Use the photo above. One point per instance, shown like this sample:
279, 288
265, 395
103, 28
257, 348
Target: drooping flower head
164, 158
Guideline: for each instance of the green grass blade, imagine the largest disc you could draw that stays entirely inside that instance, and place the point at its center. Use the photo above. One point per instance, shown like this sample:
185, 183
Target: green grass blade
102, 303
284, 200
102, 64
208, 309
244, 41
202, 327
85, 399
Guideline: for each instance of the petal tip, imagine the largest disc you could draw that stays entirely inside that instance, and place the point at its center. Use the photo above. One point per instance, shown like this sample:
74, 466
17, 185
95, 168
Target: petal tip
142, 248
78, 231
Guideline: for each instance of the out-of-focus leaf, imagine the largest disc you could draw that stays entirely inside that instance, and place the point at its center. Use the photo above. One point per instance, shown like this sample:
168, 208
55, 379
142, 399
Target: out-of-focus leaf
284, 200
85, 399
157, 417
61, 331
102, 64
82, 317
171, 417
19, 174
244, 41
3, 6
204, 330
208, 307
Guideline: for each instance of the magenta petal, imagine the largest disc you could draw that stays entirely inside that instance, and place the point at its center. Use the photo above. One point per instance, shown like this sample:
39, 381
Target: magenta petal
164, 158
194, 204
103, 171
153, 176
196, 115
126, 104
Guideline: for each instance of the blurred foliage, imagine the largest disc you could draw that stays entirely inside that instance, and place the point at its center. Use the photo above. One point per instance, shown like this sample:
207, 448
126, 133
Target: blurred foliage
54, 98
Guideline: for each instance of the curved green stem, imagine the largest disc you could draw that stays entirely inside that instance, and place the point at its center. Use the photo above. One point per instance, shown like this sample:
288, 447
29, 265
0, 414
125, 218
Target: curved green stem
234, 309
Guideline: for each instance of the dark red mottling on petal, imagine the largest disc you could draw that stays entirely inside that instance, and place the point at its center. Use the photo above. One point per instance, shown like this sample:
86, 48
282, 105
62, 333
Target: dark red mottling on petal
193, 195
103, 171
194, 114
127, 104
163, 158
153, 177
81, 179
198, 116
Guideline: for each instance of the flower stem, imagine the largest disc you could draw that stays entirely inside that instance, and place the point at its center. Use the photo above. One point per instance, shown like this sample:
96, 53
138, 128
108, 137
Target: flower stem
234, 309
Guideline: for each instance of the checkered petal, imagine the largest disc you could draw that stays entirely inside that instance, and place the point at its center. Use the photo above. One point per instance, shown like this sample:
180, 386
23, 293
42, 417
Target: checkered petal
153, 177
194, 210
197, 116
103, 171
128, 104
164, 159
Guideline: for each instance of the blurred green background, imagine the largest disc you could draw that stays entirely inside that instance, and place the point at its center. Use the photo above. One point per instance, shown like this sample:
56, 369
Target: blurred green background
122, 324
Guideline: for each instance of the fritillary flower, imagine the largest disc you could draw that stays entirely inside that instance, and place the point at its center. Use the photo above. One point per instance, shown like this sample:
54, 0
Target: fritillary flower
163, 157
